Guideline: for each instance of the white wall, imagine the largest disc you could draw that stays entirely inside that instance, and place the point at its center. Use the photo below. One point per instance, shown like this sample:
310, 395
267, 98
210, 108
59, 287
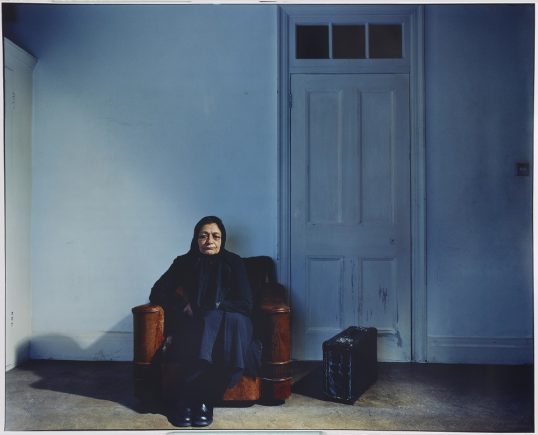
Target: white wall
18, 67
146, 119
479, 103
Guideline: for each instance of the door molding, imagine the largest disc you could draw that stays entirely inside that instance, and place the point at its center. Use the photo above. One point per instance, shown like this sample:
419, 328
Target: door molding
417, 182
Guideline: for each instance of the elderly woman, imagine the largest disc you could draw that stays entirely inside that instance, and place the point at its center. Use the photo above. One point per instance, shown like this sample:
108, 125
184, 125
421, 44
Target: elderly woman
207, 301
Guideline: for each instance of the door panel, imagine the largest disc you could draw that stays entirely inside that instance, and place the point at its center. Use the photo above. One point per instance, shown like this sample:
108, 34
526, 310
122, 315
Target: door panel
376, 178
350, 223
324, 176
323, 272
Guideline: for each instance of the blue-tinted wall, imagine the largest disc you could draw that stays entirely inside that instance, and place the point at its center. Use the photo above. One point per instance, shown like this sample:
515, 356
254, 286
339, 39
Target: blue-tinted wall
479, 124
148, 117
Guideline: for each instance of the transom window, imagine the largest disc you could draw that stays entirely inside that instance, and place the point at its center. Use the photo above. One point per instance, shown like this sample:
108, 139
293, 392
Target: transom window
349, 41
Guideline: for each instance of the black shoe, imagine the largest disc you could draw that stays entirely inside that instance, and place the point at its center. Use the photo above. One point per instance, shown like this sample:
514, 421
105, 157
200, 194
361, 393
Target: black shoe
202, 415
180, 416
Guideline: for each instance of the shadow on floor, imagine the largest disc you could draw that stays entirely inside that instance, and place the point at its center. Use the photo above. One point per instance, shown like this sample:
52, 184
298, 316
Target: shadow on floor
513, 383
42, 395
105, 380
311, 384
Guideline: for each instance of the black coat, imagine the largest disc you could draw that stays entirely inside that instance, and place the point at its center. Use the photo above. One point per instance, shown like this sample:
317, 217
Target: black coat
220, 329
179, 285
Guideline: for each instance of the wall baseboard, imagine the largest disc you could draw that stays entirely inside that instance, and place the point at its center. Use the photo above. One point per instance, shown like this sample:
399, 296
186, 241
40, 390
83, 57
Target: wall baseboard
480, 350
118, 346
104, 346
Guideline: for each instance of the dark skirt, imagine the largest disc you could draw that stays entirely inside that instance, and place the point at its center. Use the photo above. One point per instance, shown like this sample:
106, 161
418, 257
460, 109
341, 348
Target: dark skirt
216, 338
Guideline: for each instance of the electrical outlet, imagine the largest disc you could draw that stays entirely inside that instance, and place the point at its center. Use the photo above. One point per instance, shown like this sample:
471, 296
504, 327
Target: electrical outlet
523, 169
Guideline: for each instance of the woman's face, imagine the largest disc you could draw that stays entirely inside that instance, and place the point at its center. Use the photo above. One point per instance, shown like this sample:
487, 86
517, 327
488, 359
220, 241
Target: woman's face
209, 239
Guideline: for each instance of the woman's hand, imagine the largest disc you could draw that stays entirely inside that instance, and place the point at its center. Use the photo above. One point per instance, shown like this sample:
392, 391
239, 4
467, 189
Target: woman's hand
188, 310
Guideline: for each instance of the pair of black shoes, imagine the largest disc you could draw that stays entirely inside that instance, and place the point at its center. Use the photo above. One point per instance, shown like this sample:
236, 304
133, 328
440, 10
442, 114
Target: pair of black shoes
198, 415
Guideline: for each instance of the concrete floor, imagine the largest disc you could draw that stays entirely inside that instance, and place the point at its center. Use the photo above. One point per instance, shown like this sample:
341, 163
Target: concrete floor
60, 395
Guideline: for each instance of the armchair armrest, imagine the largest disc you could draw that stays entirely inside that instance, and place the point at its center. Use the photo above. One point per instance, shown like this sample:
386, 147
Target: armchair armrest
148, 331
274, 330
148, 335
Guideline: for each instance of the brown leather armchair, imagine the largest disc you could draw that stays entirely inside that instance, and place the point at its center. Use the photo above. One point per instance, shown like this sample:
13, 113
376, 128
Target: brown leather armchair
271, 319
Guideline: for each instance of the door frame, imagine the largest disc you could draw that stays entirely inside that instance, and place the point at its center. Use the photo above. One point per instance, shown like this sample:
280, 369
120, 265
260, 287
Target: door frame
415, 18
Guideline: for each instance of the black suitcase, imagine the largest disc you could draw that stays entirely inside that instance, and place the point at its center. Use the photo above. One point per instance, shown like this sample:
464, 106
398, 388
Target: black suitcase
350, 363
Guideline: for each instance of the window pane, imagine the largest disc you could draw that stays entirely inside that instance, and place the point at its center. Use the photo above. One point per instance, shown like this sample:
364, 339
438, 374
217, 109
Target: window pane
312, 42
385, 41
348, 42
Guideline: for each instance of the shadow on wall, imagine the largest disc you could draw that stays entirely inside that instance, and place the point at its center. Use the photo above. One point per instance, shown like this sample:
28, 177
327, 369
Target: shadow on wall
115, 344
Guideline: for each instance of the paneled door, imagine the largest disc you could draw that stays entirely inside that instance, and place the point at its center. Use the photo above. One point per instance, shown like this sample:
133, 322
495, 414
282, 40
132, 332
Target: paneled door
350, 210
